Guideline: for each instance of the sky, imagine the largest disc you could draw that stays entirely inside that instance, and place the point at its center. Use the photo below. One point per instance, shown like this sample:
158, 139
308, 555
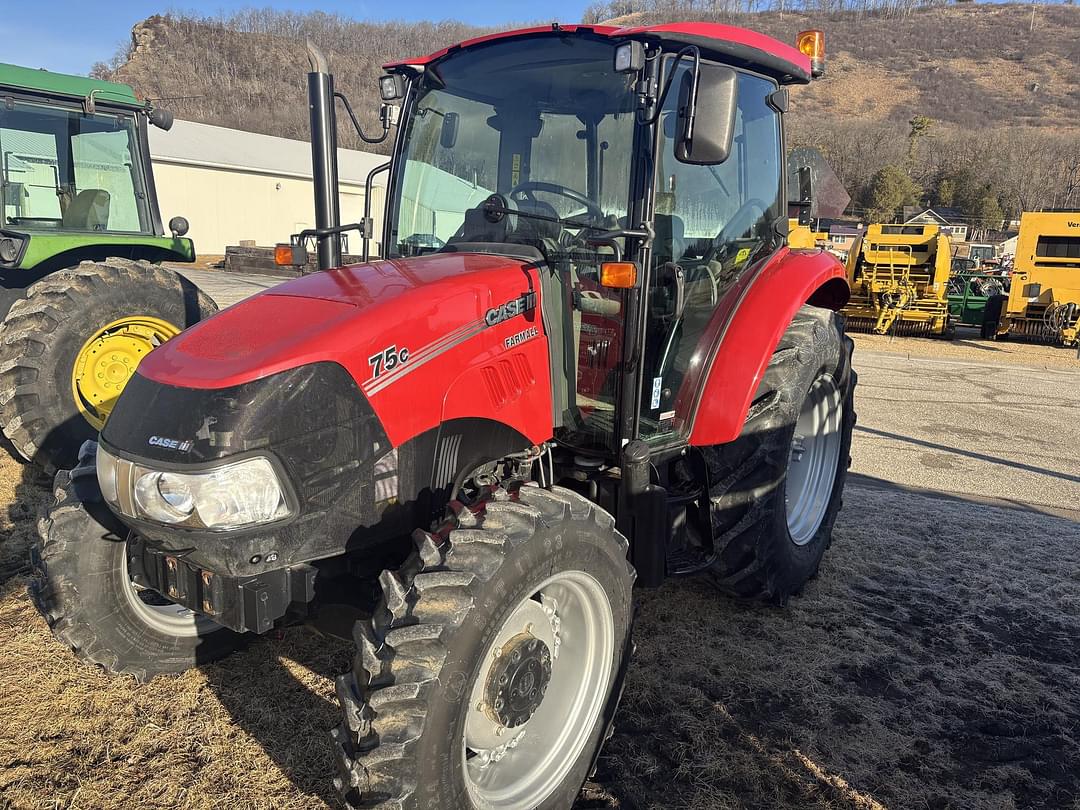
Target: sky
71, 35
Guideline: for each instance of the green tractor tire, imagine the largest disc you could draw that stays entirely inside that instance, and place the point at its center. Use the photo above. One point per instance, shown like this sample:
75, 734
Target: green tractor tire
71, 344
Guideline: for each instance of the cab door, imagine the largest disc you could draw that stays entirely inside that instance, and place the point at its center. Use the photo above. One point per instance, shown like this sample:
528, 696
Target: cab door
713, 225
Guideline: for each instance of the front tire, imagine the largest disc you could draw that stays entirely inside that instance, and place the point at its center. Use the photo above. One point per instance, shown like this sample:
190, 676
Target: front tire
83, 589
68, 348
447, 704
776, 490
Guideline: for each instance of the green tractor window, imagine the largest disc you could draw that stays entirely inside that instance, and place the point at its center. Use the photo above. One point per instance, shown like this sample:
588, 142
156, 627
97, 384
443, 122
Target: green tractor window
66, 171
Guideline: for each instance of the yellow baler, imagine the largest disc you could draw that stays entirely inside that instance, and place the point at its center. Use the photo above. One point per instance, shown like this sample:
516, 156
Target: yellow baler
1044, 297
899, 279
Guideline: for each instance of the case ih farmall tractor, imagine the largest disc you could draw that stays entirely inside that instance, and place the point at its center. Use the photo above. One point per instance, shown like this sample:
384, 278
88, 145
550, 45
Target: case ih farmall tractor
586, 352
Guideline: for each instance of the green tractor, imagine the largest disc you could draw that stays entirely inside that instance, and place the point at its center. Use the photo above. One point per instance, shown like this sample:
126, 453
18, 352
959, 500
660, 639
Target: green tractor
83, 294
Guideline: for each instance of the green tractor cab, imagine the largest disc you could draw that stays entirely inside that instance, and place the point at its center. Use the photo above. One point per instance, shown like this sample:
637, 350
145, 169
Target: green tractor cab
82, 288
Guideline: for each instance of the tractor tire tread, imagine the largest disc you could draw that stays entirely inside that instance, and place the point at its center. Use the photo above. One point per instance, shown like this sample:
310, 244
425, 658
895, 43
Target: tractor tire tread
28, 329
402, 647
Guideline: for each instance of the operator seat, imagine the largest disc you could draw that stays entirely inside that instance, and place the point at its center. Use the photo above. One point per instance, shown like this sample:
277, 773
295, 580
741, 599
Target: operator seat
89, 211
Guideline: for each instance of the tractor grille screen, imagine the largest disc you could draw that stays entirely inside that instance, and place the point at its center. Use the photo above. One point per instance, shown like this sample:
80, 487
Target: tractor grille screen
1058, 247
906, 230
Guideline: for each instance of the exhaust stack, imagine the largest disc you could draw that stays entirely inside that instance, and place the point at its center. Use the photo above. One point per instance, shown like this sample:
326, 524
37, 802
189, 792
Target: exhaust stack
324, 156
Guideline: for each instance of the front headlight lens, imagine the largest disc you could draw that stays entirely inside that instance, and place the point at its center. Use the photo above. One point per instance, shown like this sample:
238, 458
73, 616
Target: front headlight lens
165, 497
232, 496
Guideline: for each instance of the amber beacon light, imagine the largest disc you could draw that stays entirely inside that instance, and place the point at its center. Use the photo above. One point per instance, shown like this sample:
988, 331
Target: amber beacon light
812, 44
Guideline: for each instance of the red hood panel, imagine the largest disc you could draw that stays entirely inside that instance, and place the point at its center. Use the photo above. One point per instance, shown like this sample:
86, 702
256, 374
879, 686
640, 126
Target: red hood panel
346, 315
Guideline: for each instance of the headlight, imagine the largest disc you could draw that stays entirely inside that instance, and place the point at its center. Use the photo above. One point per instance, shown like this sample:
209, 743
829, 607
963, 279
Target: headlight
232, 496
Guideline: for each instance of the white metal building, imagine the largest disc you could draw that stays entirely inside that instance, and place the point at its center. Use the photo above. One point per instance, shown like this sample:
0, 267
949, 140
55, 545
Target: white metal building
235, 186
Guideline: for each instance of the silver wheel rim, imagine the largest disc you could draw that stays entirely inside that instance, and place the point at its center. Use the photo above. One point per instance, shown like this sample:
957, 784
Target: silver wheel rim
518, 768
813, 460
171, 619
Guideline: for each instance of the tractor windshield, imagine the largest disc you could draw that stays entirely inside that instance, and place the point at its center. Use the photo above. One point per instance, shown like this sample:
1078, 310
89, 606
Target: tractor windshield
63, 170
546, 123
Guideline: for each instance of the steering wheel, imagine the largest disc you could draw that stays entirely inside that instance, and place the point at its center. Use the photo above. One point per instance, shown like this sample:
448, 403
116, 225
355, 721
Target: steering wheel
735, 226
528, 188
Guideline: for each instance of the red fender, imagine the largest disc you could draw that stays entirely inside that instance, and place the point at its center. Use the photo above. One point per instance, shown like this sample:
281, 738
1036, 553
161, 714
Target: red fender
745, 331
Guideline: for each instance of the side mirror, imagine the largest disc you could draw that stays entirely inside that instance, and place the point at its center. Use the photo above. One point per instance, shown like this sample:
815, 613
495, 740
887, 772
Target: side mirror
706, 119
448, 135
162, 119
179, 226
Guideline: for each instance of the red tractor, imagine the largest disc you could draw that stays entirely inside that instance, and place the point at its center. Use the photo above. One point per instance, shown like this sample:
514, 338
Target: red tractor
586, 355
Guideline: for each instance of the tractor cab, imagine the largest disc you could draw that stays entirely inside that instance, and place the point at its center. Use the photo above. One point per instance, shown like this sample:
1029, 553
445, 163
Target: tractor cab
643, 174
74, 163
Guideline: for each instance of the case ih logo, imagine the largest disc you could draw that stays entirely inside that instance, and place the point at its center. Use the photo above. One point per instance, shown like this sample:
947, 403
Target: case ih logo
171, 444
510, 309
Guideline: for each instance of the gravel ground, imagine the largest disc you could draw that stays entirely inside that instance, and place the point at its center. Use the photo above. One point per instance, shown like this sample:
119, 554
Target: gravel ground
969, 346
1001, 432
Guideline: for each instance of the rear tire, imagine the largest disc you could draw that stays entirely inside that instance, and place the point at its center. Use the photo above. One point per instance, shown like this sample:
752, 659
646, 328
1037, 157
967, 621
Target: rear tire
82, 588
415, 698
45, 332
772, 519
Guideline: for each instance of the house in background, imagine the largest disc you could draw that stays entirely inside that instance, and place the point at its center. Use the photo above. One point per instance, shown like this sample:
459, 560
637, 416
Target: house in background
949, 220
842, 237
1005, 242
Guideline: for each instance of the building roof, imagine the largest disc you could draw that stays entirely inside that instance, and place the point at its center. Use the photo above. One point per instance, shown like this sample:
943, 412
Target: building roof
197, 144
743, 45
61, 84
941, 214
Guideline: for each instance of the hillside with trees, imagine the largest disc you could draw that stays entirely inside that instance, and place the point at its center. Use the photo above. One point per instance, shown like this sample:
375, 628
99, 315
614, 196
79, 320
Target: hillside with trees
975, 107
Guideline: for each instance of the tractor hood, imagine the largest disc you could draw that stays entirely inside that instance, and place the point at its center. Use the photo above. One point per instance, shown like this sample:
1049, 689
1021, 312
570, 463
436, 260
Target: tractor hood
405, 331
348, 316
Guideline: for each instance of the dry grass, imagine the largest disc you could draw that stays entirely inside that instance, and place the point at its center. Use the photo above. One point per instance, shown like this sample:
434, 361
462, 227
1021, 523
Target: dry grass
932, 665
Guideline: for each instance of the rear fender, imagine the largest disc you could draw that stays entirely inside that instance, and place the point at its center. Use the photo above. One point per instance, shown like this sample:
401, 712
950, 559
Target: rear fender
748, 337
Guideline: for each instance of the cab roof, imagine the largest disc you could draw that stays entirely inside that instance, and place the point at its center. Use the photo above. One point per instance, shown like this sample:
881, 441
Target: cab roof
45, 82
739, 46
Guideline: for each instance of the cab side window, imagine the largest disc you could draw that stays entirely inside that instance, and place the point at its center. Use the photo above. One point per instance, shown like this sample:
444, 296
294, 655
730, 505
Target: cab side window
712, 222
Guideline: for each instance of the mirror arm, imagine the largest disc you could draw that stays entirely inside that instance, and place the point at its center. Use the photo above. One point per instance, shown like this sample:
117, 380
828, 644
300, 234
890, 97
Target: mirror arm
385, 118
689, 50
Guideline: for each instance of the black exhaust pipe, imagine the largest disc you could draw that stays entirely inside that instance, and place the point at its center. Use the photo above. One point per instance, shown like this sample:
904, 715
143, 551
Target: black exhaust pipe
324, 156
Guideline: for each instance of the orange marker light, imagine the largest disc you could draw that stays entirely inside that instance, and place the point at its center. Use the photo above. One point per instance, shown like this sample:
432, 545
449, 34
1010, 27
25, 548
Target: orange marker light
812, 44
283, 255
618, 274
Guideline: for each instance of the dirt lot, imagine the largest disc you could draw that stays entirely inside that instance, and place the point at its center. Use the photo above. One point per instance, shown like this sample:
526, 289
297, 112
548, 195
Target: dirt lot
933, 664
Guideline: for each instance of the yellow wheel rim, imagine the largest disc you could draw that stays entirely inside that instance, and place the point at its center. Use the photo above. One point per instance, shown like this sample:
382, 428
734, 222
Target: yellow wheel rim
107, 360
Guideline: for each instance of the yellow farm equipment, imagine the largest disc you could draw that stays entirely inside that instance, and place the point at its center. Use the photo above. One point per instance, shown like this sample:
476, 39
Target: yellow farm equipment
899, 279
803, 237
1044, 298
